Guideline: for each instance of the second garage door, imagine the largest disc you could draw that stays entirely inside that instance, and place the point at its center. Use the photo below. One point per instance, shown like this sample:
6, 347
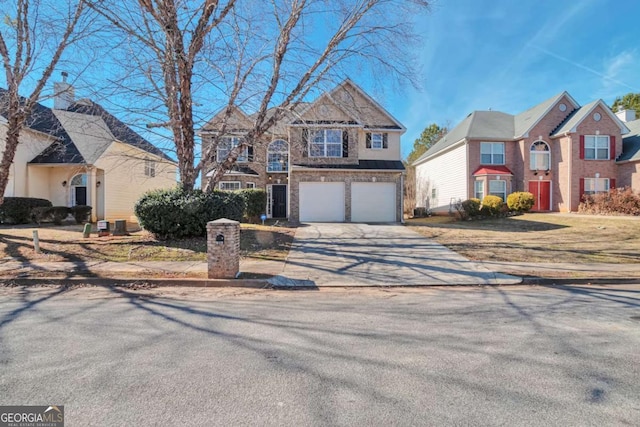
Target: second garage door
322, 201
373, 202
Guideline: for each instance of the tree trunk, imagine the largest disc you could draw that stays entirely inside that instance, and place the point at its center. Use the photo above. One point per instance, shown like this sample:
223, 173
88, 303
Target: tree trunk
11, 144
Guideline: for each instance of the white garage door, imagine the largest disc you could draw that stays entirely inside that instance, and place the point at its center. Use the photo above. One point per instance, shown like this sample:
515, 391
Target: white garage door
373, 202
322, 201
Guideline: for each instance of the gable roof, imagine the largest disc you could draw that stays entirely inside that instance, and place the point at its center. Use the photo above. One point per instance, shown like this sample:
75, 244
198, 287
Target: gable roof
331, 97
527, 120
82, 133
631, 143
492, 125
573, 120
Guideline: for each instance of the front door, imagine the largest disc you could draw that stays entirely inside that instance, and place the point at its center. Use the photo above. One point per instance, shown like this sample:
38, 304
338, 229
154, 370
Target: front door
80, 195
279, 201
541, 191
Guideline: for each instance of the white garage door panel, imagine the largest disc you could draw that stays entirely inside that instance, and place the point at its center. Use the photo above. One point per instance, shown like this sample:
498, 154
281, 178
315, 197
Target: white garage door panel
322, 201
373, 202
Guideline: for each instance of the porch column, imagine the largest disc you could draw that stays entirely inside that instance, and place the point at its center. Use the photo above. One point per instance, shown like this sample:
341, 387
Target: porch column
93, 192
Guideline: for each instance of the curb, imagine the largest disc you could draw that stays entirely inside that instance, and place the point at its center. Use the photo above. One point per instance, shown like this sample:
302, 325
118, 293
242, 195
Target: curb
111, 282
549, 281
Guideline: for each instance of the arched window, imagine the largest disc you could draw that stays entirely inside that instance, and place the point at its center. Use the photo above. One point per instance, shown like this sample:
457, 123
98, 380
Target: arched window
79, 189
278, 156
540, 158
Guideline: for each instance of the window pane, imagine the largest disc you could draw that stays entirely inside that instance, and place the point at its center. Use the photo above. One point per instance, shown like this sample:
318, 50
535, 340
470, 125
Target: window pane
589, 141
603, 153
334, 150
485, 159
485, 148
498, 159
316, 150
498, 148
316, 136
589, 153
334, 136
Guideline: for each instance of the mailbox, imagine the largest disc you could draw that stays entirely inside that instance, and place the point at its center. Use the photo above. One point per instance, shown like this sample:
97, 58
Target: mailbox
219, 239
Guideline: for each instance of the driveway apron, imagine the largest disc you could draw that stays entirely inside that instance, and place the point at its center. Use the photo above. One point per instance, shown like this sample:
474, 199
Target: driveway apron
330, 254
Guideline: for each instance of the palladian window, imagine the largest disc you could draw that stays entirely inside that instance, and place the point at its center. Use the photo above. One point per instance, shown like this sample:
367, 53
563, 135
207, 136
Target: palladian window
540, 156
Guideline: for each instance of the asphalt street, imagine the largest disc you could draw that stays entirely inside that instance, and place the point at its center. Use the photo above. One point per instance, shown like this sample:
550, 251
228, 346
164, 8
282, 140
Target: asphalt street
566, 356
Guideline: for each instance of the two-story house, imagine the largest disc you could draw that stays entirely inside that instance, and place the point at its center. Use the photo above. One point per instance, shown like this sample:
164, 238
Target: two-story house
337, 159
557, 150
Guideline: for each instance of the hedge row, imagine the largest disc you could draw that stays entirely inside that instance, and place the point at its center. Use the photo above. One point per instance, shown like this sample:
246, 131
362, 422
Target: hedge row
17, 210
617, 201
175, 213
56, 214
493, 206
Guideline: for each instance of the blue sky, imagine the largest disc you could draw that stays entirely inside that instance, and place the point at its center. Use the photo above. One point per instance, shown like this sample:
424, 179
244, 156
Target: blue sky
510, 55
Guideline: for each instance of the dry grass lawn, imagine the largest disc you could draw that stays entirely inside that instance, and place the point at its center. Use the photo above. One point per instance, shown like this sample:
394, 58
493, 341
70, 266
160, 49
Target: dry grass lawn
65, 243
538, 237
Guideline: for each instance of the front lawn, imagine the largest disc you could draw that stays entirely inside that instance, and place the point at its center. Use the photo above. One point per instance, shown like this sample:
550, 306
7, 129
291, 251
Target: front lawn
65, 243
538, 237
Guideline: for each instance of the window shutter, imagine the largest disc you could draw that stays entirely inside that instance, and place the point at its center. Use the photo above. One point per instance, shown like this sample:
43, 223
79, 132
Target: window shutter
582, 148
368, 140
250, 153
581, 188
345, 143
305, 142
612, 147
385, 140
612, 183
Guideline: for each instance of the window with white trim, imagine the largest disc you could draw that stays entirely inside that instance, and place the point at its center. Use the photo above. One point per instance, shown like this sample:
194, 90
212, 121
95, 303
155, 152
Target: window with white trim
251, 185
540, 156
278, 156
325, 143
498, 187
230, 185
492, 153
596, 147
596, 185
149, 168
228, 143
478, 189
377, 141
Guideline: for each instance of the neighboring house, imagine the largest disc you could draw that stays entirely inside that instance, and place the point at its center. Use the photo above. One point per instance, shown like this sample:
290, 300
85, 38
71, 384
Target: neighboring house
79, 154
336, 159
557, 150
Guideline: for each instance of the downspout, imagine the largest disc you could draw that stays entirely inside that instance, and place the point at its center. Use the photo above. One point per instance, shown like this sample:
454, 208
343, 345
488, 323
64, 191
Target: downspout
570, 167
402, 198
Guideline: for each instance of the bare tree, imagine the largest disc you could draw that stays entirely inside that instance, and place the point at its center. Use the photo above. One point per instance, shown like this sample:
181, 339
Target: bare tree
196, 58
33, 38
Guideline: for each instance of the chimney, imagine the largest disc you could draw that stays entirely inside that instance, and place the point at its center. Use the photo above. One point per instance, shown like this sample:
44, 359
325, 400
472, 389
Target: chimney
63, 93
626, 115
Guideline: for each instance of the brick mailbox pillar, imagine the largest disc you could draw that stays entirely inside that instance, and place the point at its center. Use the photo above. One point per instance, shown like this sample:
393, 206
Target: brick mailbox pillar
223, 248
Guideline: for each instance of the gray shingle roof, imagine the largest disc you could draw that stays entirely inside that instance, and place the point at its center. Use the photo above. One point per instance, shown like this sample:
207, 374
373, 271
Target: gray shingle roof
493, 125
527, 119
575, 118
395, 165
631, 143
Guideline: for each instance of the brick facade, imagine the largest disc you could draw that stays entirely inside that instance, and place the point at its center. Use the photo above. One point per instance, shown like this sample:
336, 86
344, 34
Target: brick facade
223, 258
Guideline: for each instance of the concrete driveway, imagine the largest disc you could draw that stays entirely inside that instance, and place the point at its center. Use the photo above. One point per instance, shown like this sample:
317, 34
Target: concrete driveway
377, 255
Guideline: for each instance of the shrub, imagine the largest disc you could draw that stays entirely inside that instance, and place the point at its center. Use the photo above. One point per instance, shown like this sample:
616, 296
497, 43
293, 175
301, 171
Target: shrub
55, 214
620, 201
175, 213
491, 205
255, 202
471, 207
81, 213
520, 201
17, 210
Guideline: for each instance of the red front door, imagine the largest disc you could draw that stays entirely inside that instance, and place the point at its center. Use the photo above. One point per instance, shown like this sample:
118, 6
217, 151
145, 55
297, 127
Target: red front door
541, 191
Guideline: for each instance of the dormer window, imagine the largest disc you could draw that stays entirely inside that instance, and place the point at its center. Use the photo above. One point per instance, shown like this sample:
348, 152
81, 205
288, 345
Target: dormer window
228, 143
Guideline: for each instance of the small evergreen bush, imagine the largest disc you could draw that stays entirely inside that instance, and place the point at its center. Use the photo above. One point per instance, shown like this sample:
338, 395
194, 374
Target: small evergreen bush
17, 210
471, 207
491, 205
55, 214
175, 213
255, 203
81, 213
520, 201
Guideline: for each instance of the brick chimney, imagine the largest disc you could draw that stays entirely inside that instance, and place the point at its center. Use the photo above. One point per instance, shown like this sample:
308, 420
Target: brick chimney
63, 93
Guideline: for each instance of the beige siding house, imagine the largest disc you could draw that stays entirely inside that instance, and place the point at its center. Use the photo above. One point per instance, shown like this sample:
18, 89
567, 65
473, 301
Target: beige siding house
78, 153
337, 159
